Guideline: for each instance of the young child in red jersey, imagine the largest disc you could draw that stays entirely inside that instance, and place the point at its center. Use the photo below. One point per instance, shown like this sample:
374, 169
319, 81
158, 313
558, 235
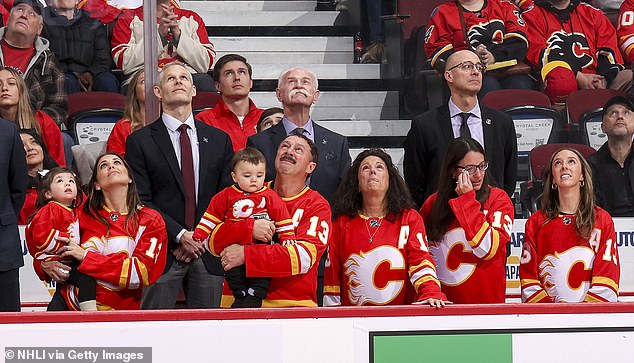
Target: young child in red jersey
248, 198
58, 204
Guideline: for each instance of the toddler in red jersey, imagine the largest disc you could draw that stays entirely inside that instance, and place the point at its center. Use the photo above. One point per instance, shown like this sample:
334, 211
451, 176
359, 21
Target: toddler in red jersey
57, 206
248, 198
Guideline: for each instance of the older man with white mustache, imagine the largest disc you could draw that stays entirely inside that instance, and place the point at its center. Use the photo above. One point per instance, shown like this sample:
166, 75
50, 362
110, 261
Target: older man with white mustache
297, 90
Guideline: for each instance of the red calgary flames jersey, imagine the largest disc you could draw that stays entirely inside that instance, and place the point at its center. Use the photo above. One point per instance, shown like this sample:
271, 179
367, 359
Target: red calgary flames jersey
558, 265
498, 26
625, 30
394, 268
471, 257
292, 268
233, 204
51, 221
122, 260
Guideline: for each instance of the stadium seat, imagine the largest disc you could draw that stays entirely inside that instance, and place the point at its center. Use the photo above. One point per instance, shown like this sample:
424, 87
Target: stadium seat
204, 101
530, 191
582, 101
506, 98
92, 115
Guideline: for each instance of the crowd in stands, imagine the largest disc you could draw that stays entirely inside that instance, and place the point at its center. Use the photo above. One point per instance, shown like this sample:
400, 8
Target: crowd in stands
181, 203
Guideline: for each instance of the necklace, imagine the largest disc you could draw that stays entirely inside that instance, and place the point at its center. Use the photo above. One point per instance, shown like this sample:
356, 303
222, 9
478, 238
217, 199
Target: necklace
373, 223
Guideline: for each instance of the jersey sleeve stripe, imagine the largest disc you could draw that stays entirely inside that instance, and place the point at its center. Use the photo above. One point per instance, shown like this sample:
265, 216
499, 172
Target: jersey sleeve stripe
606, 281
307, 254
293, 259
125, 272
134, 281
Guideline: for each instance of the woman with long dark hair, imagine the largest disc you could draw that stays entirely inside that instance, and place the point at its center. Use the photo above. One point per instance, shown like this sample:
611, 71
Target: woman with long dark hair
570, 249
378, 254
468, 223
124, 243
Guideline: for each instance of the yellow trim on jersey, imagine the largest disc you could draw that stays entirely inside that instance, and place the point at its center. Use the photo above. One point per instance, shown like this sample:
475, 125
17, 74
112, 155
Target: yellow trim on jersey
525, 282
542, 294
47, 241
210, 243
495, 243
312, 250
424, 263
552, 65
438, 53
592, 298
212, 218
205, 229
334, 289
478, 237
293, 259
605, 281
424, 279
145, 280
304, 191
227, 300
101, 306
125, 272
516, 35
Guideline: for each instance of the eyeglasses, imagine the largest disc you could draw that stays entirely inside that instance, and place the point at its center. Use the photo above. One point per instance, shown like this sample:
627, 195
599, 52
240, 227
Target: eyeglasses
468, 66
471, 169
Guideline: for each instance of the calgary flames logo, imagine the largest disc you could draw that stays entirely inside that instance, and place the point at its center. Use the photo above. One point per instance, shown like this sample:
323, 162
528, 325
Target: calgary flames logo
361, 269
492, 32
453, 244
570, 48
555, 271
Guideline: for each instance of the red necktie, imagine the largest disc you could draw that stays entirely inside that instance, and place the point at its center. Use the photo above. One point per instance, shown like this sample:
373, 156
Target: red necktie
187, 171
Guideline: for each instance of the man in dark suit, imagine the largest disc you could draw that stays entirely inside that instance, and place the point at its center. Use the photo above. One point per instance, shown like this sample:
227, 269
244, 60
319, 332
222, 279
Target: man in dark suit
179, 164
297, 90
12, 193
432, 131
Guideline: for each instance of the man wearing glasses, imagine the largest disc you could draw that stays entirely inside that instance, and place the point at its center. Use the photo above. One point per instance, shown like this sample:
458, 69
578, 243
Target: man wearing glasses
432, 131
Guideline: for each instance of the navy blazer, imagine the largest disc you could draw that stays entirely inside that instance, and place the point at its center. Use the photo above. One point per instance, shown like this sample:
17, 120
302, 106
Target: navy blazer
150, 153
12, 193
333, 163
429, 137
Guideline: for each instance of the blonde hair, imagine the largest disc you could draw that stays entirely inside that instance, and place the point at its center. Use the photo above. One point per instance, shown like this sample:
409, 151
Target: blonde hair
24, 116
133, 111
584, 216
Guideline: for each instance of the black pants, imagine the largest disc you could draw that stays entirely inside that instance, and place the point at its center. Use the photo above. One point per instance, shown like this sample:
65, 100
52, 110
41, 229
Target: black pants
10, 288
86, 285
238, 282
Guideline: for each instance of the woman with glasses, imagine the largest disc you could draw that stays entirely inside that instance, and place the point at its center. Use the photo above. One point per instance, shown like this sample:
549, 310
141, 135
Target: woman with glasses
570, 248
468, 223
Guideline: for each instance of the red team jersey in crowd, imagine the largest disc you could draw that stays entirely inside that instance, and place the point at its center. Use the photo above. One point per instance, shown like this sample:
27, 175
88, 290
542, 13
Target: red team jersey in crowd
394, 269
233, 204
625, 30
51, 221
558, 265
122, 261
118, 137
471, 258
222, 118
498, 26
292, 268
586, 42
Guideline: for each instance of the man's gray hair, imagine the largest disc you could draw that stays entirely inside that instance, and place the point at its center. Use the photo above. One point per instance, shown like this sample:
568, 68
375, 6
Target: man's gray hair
312, 74
159, 79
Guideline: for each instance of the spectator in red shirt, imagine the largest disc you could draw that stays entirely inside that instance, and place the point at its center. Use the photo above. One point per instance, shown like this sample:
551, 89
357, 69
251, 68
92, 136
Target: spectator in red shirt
133, 115
235, 113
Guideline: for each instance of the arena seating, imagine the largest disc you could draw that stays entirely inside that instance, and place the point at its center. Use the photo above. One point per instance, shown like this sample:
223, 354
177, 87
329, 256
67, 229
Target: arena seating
91, 115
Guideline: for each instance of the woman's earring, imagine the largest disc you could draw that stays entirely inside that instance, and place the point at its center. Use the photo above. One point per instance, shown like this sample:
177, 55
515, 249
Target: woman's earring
582, 183
553, 186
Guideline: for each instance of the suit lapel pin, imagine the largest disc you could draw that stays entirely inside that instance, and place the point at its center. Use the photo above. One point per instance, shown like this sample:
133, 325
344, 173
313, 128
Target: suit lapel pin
205, 140
324, 142
488, 121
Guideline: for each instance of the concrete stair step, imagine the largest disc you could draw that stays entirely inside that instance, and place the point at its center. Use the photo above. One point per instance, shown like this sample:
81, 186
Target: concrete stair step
368, 105
322, 50
272, 71
271, 18
240, 6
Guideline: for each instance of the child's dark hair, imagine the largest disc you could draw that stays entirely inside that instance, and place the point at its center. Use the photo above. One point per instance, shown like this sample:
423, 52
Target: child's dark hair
250, 155
45, 186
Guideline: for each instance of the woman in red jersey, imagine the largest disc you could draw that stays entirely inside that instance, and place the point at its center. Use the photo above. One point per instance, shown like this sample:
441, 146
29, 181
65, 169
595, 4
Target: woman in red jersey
570, 252
124, 243
378, 254
468, 223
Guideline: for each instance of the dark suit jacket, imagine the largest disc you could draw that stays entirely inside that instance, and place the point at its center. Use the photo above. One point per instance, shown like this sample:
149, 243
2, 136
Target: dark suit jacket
429, 137
602, 163
14, 180
333, 163
157, 173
